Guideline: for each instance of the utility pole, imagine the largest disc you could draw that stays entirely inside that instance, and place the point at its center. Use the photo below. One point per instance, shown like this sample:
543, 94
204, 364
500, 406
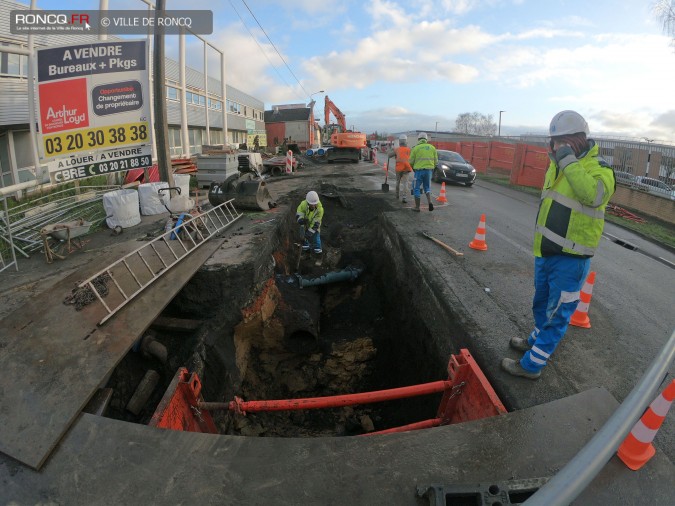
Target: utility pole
499, 131
159, 88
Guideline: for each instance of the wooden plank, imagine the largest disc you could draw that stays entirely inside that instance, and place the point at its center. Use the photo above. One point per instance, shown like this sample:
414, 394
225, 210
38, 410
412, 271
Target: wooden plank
54, 359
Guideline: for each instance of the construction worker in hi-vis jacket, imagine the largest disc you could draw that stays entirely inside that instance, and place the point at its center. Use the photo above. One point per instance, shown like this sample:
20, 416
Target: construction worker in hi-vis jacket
577, 187
309, 215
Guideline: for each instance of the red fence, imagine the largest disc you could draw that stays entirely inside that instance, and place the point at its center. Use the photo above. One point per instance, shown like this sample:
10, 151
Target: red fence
525, 164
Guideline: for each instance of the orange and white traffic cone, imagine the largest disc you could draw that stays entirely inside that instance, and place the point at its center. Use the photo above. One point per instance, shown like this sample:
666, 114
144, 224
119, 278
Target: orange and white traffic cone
580, 316
479, 239
637, 448
441, 197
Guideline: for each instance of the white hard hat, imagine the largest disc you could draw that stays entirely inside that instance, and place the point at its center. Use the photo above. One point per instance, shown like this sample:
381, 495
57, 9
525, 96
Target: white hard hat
403, 138
566, 123
312, 198
422, 135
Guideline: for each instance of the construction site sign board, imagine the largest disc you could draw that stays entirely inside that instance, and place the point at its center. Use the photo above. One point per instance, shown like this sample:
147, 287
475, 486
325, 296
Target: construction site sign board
260, 134
92, 97
99, 163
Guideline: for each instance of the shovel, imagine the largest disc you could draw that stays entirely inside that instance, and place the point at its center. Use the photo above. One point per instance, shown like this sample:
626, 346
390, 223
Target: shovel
385, 185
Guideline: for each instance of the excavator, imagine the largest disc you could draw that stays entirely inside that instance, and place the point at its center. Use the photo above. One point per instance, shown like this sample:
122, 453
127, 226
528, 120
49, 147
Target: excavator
342, 144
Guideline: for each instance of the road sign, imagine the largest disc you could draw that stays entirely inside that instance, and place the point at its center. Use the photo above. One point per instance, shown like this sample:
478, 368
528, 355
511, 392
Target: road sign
98, 163
93, 96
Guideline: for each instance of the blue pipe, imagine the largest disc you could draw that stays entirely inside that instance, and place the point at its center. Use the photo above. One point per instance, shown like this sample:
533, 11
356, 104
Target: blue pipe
346, 274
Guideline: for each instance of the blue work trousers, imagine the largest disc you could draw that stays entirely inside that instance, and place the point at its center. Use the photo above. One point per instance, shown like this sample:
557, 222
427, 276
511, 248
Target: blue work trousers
557, 283
422, 179
314, 238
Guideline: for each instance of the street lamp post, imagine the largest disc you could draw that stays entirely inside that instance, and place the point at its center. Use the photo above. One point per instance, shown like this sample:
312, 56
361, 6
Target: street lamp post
499, 131
437, 126
311, 127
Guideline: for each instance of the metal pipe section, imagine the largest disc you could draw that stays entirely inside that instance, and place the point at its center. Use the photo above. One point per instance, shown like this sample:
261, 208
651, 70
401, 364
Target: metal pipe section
565, 486
346, 274
425, 424
337, 401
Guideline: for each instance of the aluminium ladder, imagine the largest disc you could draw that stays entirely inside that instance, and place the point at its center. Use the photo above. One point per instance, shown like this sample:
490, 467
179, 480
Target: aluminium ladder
124, 279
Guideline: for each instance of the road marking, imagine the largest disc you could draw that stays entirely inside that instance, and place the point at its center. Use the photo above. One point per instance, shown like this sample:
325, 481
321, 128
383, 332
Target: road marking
511, 242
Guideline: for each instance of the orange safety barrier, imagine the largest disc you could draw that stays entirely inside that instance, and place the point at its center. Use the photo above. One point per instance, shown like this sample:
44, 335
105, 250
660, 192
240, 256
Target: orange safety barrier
580, 317
467, 395
442, 197
637, 448
479, 238
178, 408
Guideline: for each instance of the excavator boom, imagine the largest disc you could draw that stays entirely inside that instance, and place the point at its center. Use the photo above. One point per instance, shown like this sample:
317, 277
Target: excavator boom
344, 145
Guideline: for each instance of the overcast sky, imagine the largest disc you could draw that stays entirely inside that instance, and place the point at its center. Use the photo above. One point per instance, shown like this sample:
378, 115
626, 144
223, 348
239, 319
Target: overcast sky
393, 66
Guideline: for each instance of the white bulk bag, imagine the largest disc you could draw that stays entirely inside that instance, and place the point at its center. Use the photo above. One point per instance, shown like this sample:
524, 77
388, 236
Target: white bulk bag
151, 201
121, 208
183, 182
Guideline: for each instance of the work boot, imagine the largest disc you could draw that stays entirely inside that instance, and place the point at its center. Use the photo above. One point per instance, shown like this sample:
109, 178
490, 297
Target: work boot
520, 344
417, 205
514, 368
431, 206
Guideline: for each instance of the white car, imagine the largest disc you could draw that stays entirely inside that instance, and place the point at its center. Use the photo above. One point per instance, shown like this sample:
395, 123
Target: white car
655, 187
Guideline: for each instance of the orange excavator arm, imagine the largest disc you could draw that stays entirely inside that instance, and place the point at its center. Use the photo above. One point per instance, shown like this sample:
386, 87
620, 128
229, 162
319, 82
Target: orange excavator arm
331, 107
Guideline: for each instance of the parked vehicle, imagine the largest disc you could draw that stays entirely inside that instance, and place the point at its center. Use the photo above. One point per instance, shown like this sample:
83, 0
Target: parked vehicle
655, 187
624, 177
453, 168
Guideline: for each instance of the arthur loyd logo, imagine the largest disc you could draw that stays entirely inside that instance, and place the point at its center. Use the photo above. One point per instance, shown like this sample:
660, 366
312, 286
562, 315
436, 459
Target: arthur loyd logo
64, 106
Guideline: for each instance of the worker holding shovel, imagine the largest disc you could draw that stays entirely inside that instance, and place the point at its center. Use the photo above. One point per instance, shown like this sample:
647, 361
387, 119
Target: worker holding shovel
309, 215
403, 168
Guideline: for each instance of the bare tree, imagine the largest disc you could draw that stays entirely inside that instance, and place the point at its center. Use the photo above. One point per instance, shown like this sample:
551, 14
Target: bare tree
665, 11
475, 123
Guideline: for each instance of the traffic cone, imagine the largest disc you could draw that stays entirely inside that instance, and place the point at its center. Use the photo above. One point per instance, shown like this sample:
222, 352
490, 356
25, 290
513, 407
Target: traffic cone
441, 197
637, 448
580, 316
479, 239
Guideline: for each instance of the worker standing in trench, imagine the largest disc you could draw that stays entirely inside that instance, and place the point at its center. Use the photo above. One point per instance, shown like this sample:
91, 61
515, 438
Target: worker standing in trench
423, 160
577, 187
403, 168
309, 215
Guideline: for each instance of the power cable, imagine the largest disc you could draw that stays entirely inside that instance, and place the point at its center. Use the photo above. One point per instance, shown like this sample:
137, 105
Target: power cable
259, 46
275, 48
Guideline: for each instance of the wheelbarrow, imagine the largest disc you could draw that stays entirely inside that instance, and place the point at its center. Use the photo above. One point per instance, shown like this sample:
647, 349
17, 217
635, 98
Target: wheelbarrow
68, 232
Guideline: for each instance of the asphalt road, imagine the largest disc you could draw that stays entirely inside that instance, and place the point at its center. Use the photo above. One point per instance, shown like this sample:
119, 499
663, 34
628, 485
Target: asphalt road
631, 311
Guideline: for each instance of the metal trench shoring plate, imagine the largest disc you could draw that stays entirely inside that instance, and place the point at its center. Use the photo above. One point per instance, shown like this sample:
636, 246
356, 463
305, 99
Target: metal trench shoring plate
481, 494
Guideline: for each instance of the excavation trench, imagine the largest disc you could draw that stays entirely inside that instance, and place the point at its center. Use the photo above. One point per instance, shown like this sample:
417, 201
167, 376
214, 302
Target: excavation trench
277, 326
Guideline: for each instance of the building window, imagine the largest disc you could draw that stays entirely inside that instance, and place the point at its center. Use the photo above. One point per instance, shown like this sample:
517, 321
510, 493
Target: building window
171, 93
13, 64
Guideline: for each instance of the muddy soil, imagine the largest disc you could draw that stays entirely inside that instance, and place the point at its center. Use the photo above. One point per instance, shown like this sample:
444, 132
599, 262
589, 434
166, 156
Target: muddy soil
292, 342
355, 349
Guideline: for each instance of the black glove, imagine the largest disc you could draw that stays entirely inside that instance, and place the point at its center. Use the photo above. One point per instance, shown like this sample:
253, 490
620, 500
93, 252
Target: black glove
562, 153
301, 221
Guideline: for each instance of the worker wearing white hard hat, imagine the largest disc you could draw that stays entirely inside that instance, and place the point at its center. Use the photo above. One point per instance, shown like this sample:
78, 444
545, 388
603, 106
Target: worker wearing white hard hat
423, 159
309, 215
403, 168
577, 187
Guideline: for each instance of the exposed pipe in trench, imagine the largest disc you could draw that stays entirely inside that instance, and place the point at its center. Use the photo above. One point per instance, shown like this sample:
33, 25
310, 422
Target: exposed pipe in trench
240, 406
346, 274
